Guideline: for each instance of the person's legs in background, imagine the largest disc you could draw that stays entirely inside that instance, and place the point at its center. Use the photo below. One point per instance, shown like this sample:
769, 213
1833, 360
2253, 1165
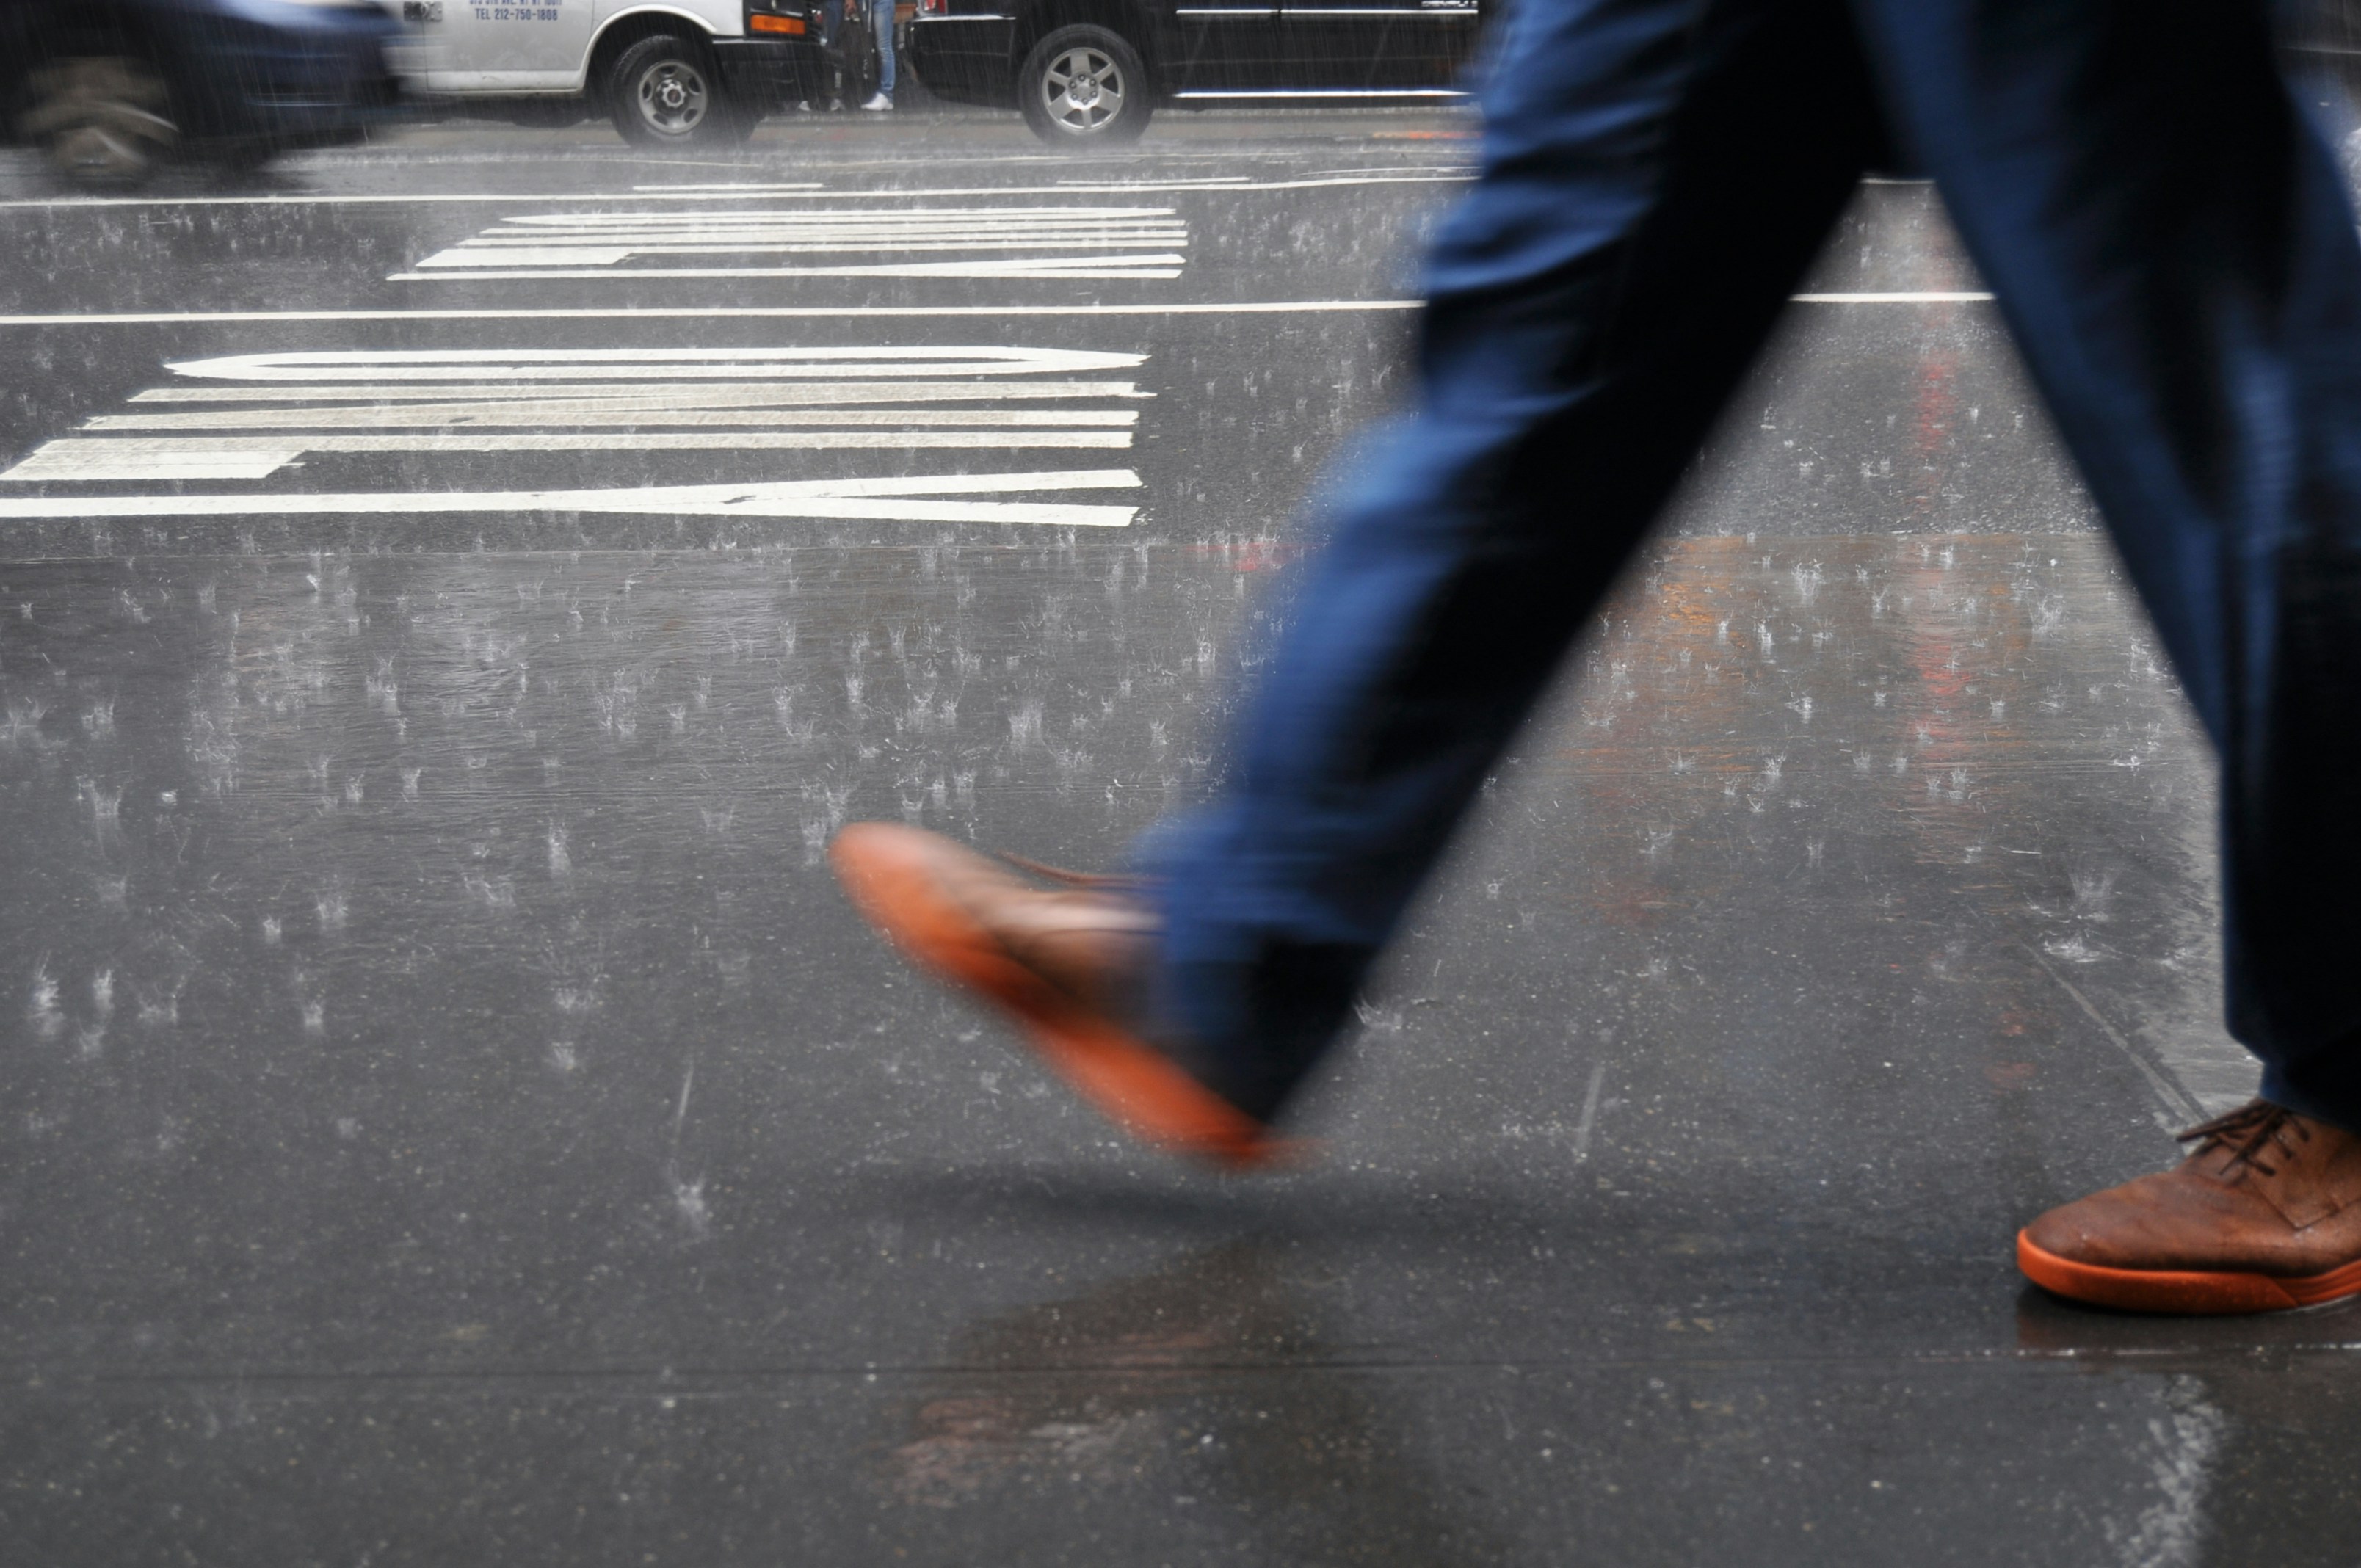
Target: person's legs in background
829, 14
831, 42
881, 13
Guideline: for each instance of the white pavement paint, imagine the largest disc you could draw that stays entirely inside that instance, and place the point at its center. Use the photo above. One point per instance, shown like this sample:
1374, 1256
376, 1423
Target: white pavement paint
1215, 185
822, 402
815, 312
630, 413
1067, 241
255, 416
950, 228
1149, 267
893, 501
479, 364
255, 457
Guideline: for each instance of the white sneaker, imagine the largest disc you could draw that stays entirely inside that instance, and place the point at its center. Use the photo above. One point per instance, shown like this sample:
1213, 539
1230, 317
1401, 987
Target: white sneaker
878, 101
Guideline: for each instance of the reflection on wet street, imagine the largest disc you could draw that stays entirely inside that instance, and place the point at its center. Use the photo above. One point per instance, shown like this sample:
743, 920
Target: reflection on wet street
448, 1113
1191, 1377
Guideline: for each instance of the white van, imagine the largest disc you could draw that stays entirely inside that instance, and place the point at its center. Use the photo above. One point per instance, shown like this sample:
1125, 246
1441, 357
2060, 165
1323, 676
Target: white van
668, 71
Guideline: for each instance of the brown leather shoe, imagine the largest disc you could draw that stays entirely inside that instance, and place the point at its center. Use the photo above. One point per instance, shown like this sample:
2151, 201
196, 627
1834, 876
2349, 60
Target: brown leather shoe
1069, 964
2264, 1214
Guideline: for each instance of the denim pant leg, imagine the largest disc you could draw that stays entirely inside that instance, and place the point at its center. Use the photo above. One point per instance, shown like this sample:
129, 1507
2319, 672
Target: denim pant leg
1656, 175
2174, 250
881, 14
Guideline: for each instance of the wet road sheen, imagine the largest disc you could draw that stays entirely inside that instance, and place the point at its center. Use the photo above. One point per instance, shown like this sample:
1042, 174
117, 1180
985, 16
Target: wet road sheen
450, 1115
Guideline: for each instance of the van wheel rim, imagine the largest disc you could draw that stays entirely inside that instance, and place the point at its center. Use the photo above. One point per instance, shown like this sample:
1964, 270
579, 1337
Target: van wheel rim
1083, 90
672, 96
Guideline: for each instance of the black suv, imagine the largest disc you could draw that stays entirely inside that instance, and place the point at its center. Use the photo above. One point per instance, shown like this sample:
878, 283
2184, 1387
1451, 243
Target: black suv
1089, 71
108, 88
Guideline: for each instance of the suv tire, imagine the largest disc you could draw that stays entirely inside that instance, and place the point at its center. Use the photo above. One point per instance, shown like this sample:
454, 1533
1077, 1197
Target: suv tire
665, 91
1084, 86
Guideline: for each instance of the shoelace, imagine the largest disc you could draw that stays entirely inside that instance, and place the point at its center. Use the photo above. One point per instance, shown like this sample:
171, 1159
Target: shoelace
2247, 1133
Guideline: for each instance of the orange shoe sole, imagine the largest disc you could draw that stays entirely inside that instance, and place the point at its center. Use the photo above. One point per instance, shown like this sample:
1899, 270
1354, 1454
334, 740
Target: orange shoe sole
2186, 1292
1142, 1090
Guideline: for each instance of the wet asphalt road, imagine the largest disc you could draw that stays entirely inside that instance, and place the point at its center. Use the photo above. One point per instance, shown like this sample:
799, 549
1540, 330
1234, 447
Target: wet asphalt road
452, 591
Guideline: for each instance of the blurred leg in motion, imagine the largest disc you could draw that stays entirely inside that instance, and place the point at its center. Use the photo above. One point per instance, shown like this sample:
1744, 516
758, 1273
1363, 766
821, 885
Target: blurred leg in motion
1657, 175
1655, 179
2175, 252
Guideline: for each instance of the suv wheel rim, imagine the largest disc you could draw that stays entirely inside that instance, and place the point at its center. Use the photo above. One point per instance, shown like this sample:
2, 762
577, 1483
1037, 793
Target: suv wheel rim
100, 119
672, 97
1083, 90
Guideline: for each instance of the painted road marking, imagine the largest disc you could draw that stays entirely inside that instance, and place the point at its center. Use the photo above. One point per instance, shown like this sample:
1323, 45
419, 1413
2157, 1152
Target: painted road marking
1211, 185
256, 416
814, 312
823, 401
1072, 241
255, 457
1150, 267
479, 364
881, 500
828, 230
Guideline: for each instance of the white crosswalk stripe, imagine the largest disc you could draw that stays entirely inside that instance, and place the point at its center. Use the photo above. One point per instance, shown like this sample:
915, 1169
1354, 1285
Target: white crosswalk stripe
815, 397
260, 416
501, 365
1071, 241
898, 500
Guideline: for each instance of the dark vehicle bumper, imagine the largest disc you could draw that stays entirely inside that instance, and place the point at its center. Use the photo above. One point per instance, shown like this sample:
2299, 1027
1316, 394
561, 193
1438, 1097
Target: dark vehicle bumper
966, 57
249, 82
770, 71
265, 77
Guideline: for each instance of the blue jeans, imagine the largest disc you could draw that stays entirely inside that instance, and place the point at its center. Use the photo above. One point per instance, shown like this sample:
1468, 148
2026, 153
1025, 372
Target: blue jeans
2172, 247
881, 11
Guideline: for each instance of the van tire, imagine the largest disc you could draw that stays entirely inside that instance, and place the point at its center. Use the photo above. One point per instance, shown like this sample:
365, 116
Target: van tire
665, 91
1065, 114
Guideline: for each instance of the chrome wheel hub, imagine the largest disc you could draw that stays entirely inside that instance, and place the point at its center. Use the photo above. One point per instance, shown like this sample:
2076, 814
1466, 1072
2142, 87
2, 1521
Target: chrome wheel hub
1083, 90
672, 97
